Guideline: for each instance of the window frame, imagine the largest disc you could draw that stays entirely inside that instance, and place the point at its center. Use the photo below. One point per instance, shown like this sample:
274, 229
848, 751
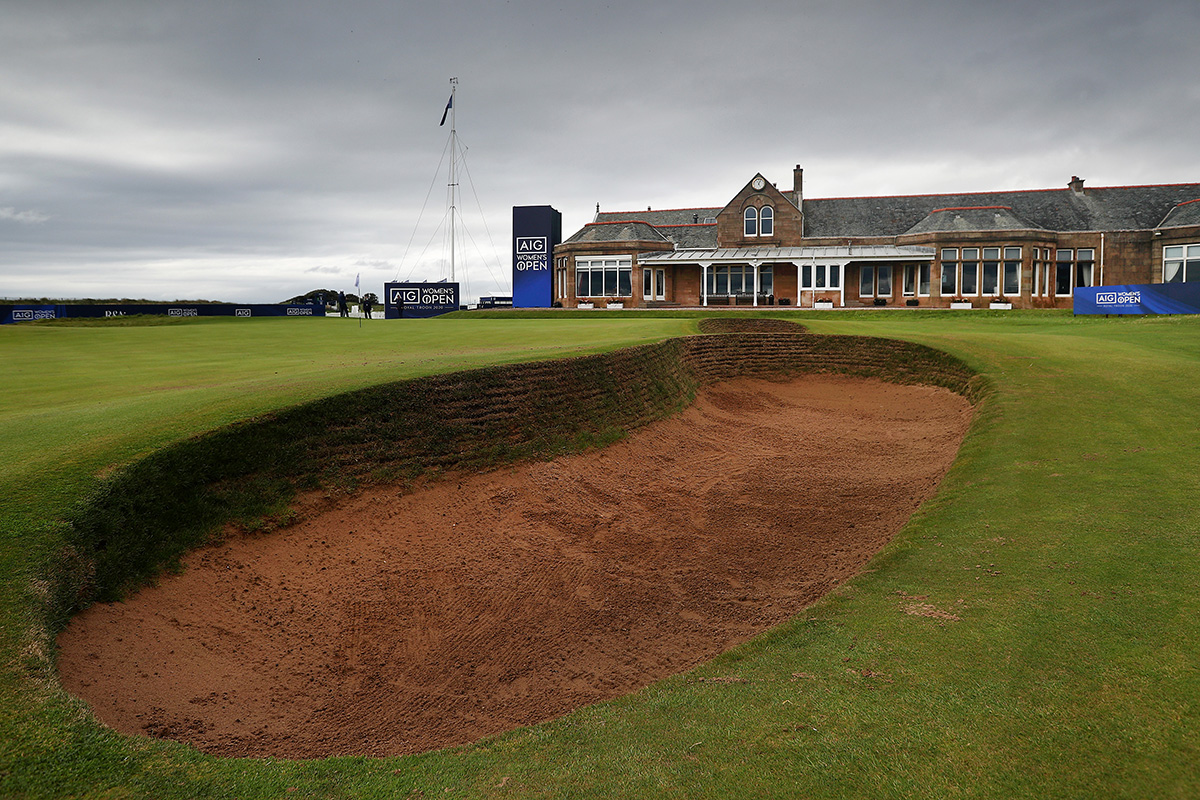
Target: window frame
952, 265
1012, 261
970, 259
614, 269
750, 222
1188, 261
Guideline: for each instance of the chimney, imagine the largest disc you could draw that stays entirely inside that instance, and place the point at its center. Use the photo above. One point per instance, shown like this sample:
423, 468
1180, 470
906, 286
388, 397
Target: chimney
1076, 184
798, 186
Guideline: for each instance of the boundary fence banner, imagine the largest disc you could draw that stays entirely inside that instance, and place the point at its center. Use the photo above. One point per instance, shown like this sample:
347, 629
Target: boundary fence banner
1138, 298
31, 313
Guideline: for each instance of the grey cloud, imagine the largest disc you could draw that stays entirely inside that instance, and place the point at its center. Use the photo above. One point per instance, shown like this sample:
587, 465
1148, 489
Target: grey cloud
239, 146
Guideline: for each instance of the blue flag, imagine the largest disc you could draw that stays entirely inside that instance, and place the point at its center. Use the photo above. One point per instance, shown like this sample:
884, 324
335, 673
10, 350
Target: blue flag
449, 103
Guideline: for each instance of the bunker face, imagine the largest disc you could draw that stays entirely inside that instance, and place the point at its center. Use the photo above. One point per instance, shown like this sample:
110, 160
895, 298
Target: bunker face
398, 624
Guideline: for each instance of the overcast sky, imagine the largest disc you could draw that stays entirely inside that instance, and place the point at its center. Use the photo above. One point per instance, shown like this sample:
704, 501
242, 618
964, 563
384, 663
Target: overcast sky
252, 151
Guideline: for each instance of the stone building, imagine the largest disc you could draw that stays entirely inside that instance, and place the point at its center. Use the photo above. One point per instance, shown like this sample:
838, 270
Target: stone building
765, 246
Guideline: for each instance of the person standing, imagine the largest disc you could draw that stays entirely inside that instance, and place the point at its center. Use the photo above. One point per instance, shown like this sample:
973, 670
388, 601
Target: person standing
366, 305
342, 310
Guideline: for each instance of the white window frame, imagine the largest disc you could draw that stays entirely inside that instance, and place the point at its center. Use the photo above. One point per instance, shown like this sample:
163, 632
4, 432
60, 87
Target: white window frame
750, 221
866, 282
622, 264
1011, 255
1064, 257
974, 261
952, 264
766, 221
1188, 256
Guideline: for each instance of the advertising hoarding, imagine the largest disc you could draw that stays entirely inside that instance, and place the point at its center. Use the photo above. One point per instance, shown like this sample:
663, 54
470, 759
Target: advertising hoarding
536, 231
1139, 298
419, 300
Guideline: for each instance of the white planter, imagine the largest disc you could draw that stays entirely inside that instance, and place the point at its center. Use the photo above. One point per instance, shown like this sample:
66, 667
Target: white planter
964, 306
586, 305
823, 304
615, 305
1005, 306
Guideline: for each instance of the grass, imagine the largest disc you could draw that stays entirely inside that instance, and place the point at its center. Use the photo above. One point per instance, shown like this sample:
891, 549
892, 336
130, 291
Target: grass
1031, 633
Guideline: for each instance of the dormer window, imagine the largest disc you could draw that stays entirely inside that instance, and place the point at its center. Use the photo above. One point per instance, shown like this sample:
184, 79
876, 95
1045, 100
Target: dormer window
751, 218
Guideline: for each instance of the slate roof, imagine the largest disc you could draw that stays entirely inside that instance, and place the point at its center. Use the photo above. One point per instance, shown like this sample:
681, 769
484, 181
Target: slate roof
672, 216
974, 218
1100, 209
618, 231
1183, 214
1064, 210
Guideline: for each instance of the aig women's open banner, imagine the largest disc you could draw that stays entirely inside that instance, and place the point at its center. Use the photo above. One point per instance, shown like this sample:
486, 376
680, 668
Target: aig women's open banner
536, 230
406, 300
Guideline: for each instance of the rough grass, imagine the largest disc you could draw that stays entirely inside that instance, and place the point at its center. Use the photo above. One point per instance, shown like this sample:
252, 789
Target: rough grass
1030, 634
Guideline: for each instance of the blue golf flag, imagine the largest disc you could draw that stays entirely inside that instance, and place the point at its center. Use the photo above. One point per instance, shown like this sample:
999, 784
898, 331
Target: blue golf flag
449, 103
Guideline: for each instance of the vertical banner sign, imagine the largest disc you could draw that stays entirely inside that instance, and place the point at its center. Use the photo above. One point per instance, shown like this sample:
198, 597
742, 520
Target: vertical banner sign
536, 231
408, 300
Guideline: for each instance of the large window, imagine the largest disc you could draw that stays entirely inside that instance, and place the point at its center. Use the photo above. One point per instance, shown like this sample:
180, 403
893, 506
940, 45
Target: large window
949, 271
1012, 271
1036, 289
916, 280
608, 276
1181, 263
820, 276
739, 279
970, 271
1062, 272
991, 270
875, 281
866, 281
1085, 266
1073, 268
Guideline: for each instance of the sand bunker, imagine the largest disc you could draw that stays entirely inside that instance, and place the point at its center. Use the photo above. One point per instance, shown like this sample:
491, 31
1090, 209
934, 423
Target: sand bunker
401, 623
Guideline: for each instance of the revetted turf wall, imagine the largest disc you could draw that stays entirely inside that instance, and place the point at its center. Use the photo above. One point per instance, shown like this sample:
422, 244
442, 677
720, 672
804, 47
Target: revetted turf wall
145, 517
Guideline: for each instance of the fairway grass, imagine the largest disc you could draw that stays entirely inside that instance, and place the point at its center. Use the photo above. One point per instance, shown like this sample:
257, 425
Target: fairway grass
1031, 633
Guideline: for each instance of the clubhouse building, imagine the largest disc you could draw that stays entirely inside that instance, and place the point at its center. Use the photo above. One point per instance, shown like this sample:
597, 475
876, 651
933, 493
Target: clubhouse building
765, 246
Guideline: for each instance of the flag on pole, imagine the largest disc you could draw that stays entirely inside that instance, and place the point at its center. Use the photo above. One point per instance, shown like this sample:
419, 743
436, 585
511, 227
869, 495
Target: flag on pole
356, 277
449, 104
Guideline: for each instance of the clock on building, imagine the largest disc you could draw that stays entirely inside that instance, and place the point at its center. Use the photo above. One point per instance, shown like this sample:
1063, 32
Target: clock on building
758, 183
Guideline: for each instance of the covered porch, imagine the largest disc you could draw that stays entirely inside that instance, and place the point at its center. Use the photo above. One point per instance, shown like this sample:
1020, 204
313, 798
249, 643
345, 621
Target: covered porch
791, 276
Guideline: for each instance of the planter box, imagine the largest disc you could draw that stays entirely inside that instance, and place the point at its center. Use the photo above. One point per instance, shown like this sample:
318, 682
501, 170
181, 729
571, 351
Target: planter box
823, 304
615, 305
963, 306
1005, 306
585, 305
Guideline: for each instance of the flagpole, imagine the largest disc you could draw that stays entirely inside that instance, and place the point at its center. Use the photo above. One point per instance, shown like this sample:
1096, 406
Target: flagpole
453, 169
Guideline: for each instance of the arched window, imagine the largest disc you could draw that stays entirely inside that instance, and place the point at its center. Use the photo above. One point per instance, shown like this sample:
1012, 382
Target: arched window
751, 218
766, 221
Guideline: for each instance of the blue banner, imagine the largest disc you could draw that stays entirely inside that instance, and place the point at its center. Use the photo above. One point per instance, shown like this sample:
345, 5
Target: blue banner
1139, 298
31, 313
536, 231
419, 300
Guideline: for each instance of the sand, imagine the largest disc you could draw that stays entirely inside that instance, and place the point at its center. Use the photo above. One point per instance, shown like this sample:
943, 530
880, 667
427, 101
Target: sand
397, 623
